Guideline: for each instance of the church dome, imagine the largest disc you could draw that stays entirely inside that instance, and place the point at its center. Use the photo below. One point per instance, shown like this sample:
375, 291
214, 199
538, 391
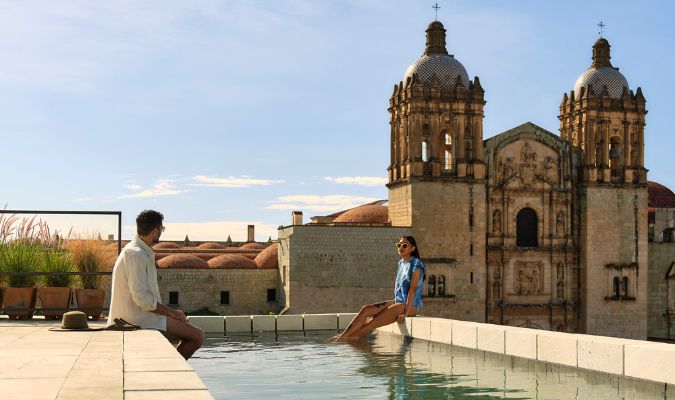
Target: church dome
211, 246
368, 214
232, 261
601, 74
186, 261
252, 246
165, 245
660, 196
437, 63
268, 258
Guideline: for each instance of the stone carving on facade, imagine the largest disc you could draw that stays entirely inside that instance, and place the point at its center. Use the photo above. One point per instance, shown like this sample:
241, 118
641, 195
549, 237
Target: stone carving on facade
528, 278
497, 222
528, 170
527, 154
560, 224
496, 290
561, 290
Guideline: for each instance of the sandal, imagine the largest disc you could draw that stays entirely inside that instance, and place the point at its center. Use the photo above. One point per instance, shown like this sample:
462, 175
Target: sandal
122, 325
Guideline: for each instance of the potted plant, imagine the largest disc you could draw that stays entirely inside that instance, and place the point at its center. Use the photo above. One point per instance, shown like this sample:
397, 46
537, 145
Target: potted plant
19, 257
56, 292
91, 256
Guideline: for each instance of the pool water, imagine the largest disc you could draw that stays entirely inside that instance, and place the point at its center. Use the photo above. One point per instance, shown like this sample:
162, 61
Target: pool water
385, 366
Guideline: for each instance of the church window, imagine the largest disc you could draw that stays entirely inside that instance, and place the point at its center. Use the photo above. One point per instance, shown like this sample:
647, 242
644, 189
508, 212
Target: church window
615, 152
431, 286
617, 286
526, 228
624, 287
448, 152
440, 288
425, 151
561, 290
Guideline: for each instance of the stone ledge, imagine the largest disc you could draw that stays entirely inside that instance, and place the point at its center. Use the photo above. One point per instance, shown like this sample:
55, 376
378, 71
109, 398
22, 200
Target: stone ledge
209, 324
314, 322
101, 365
636, 359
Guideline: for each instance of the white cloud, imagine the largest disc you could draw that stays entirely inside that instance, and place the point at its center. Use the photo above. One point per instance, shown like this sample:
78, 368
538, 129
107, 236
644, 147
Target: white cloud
319, 203
163, 187
232, 182
133, 186
211, 231
358, 180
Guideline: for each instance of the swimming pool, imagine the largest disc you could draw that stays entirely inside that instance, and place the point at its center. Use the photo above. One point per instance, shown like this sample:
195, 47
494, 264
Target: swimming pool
305, 366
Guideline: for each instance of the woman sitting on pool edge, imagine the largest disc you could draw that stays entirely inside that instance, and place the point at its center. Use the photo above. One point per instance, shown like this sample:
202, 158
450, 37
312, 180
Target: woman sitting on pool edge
409, 279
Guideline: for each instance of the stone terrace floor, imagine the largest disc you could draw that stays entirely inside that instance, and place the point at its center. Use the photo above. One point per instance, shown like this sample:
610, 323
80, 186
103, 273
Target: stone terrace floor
36, 363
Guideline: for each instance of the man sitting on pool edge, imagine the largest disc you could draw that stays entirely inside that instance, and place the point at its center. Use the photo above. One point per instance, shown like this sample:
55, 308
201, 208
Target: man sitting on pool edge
135, 292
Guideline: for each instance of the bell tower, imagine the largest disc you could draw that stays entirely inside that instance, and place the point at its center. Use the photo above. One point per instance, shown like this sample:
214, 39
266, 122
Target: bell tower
605, 120
436, 173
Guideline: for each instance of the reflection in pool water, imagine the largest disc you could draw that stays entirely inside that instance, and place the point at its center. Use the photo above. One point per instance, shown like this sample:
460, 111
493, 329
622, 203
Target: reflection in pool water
295, 366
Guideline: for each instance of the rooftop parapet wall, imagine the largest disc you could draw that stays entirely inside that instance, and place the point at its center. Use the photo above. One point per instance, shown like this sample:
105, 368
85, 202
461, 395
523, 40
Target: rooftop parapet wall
636, 359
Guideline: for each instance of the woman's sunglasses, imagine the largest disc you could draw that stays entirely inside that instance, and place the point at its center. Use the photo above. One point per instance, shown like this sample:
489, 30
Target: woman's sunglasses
402, 245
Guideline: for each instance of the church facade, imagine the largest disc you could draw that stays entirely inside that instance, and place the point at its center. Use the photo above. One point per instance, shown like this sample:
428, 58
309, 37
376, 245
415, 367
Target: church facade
526, 228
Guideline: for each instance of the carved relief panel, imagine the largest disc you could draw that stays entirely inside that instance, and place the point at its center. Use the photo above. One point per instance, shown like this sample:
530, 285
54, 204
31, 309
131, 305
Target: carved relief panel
528, 278
526, 164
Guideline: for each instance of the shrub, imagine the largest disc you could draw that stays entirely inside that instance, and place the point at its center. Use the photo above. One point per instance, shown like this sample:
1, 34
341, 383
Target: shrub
20, 256
57, 260
91, 255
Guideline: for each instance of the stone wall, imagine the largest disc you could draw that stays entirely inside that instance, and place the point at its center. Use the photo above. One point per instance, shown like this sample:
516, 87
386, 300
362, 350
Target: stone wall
201, 288
337, 268
449, 225
613, 244
661, 257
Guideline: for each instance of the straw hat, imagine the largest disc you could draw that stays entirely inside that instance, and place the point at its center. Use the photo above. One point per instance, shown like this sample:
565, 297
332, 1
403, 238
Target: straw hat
74, 321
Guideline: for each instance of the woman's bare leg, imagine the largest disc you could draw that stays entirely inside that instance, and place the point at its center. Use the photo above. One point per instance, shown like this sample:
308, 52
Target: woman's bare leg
386, 317
366, 312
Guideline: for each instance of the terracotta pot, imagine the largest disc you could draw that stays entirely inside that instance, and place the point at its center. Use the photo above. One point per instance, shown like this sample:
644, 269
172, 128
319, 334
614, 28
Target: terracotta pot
90, 301
15, 298
55, 301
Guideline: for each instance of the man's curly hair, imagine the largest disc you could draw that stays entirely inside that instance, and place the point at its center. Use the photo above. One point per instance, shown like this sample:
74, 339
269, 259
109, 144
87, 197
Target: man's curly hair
148, 220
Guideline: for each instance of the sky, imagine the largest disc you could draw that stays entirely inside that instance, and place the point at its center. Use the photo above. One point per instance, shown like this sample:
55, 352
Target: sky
221, 114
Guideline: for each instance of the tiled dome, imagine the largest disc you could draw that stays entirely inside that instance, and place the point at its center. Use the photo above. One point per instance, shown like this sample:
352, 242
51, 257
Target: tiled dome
210, 246
444, 67
602, 74
166, 245
597, 78
437, 63
660, 196
252, 246
185, 261
268, 258
232, 261
368, 214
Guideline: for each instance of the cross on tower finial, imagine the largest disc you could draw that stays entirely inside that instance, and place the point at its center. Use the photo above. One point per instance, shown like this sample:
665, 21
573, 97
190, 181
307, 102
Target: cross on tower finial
436, 7
602, 28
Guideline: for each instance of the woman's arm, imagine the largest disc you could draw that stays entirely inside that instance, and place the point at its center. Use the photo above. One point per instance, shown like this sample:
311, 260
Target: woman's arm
411, 295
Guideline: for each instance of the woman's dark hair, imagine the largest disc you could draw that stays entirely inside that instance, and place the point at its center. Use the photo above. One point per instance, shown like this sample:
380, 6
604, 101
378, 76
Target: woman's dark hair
411, 240
148, 220
416, 252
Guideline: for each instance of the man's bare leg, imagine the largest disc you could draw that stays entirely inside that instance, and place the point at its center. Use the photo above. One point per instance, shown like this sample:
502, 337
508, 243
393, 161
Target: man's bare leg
191, 337
366, 313
386, 317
